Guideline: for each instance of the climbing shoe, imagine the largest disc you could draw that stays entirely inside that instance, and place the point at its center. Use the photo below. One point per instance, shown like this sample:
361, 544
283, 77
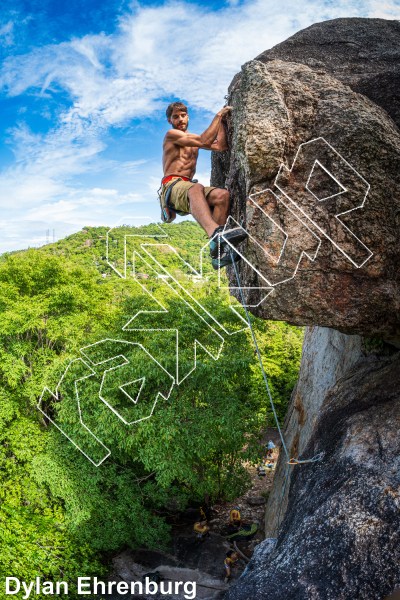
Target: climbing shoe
233, 236
226, 580
225, 259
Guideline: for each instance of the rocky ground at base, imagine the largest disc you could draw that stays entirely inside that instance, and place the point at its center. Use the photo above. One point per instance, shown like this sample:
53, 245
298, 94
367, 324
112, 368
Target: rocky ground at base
249, 513
184, 562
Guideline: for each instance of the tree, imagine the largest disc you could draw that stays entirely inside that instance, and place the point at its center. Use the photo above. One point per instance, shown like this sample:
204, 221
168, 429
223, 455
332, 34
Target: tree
193, 447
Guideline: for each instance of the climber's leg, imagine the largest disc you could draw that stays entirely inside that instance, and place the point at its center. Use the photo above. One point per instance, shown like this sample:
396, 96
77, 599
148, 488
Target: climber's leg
200, 209
218, 201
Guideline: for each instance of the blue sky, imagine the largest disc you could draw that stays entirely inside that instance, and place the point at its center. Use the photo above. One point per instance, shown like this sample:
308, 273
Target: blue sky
84, 86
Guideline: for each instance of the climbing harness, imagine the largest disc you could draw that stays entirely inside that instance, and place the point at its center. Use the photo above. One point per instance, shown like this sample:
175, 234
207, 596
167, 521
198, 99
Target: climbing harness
290, 461
167, 211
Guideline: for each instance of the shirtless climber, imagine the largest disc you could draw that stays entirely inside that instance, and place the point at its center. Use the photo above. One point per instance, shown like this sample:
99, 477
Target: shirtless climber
182, 195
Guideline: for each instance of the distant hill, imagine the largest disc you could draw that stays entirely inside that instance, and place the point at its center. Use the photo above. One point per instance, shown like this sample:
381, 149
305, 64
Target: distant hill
89, 247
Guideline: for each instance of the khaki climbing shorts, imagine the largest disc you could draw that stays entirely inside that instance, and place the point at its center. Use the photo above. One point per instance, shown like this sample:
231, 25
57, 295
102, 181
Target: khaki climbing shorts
178, 200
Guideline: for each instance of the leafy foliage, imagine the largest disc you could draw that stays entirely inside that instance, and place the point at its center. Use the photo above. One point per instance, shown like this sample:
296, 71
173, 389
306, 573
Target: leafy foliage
34, 537
58, 511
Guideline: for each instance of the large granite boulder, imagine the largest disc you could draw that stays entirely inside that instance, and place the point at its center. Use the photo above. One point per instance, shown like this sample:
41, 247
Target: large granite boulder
340, 538
313, 171
361, 53
313, 168
182, 562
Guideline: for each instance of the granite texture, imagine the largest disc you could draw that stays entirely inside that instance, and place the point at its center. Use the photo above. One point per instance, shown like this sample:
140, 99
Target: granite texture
313, 170
340, 538
326, 356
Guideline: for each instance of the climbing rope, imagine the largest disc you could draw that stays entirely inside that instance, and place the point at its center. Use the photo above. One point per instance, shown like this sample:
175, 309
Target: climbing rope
290, 461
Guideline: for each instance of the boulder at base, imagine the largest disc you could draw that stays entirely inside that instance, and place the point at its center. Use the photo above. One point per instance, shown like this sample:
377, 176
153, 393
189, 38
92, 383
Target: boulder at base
326, 356
255, 500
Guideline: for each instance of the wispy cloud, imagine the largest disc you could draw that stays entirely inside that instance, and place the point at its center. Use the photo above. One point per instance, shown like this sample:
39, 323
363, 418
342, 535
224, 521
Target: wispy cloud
94, 207
7, 34
385, 10
176, 50
20, 234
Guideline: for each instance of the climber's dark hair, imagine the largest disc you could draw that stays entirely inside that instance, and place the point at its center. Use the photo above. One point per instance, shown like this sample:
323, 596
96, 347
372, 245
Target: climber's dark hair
229, 553
173, 106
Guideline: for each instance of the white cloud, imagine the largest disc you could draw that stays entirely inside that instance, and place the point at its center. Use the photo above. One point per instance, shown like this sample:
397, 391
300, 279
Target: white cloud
177, 49
43, 165
100, 192
385, 10
129, 166
154, 184
96, 206
20, 234
203, 177
7, 34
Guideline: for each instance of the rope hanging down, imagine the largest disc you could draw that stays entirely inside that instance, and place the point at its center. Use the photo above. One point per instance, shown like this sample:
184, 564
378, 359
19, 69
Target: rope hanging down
290, 461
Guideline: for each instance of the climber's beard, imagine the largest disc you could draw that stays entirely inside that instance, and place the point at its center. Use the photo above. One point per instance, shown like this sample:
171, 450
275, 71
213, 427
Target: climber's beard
182, 125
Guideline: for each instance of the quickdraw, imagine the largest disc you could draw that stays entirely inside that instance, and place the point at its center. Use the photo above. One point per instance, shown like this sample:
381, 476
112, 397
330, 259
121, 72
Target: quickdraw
294, 461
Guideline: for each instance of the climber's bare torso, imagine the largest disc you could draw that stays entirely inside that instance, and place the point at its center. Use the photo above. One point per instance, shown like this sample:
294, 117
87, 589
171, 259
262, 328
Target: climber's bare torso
179, 160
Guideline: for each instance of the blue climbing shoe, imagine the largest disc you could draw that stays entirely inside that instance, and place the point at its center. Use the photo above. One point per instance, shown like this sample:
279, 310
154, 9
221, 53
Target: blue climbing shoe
233, 236
225, 259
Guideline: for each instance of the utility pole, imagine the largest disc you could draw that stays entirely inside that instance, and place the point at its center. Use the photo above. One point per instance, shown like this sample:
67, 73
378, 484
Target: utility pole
47, 236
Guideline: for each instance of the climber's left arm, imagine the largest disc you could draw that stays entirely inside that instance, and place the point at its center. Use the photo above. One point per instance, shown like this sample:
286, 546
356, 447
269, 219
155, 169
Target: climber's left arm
220, 143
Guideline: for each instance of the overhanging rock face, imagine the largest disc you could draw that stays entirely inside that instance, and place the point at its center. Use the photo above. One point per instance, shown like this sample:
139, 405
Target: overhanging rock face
314, 168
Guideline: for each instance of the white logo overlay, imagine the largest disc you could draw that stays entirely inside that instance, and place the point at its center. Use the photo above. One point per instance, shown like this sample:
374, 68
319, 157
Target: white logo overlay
317, 170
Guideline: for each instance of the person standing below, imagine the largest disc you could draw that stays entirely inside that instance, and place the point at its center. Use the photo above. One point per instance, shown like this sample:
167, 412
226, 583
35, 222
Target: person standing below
182, 195
235, 516
239, 530
269, 455
231, 558
202, 531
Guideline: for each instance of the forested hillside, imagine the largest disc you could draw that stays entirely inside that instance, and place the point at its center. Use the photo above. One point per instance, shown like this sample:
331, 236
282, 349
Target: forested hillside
60, 515
91, 246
